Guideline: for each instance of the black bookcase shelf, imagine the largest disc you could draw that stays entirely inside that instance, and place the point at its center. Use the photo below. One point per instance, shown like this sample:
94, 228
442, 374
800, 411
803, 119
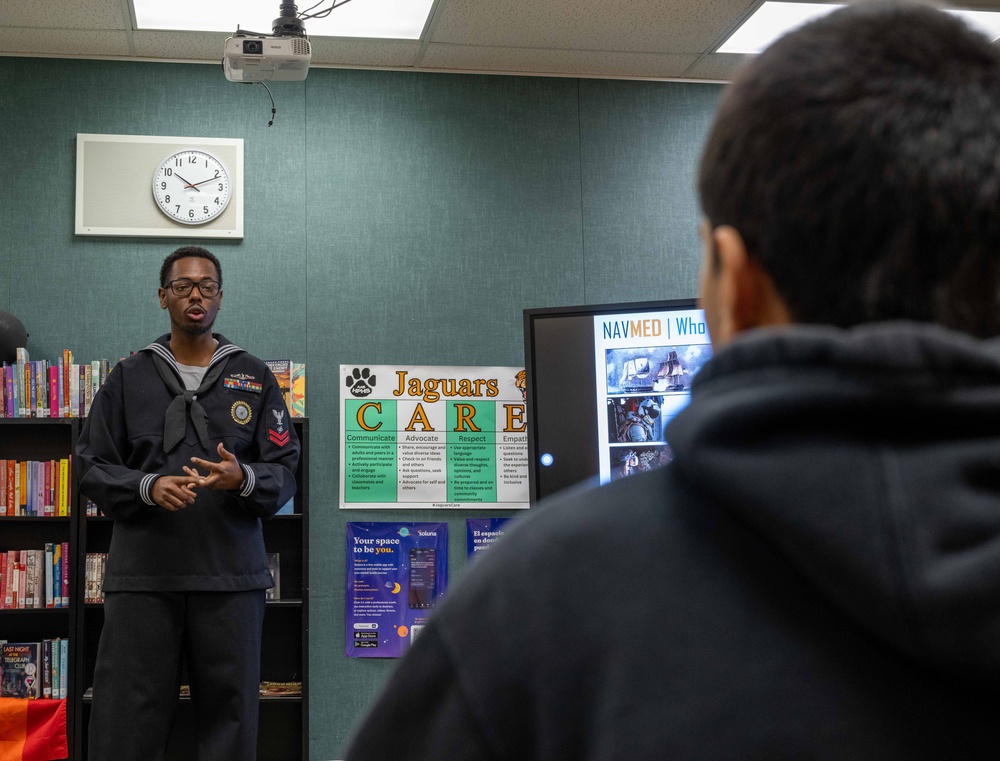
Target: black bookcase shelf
284, 719
44, 439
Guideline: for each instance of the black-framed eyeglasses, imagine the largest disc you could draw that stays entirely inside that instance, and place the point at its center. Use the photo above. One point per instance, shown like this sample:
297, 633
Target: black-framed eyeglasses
207, 288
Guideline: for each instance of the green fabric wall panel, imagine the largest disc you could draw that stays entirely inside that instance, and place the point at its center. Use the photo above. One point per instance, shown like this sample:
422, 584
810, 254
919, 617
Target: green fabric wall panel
8, 150
641, 143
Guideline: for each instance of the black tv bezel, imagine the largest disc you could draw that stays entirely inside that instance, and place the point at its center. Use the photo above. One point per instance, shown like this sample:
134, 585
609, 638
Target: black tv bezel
582, 310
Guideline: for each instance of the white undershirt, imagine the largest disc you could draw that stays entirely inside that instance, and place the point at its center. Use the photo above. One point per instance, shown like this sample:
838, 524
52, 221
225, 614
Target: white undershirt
191, 375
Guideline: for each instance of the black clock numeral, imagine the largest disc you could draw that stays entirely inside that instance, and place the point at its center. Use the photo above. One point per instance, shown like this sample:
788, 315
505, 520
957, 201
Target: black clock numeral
216, 175
168, 172
204, 210
163, 186
166, 199
178, 161
191, 213
221, 187
217, 201
192, 160
178, 207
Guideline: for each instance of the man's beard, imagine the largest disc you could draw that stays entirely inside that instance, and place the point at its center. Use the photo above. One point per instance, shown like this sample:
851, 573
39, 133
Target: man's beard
196, 328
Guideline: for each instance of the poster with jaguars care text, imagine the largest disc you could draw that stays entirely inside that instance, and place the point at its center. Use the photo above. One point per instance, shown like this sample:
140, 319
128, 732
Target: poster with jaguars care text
427, 437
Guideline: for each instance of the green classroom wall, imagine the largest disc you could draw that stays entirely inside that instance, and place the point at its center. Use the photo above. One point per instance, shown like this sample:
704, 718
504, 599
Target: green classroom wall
391, 218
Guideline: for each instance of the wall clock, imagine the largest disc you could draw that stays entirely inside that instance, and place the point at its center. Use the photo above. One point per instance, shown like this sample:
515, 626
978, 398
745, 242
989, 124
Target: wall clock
191, 187
123, 181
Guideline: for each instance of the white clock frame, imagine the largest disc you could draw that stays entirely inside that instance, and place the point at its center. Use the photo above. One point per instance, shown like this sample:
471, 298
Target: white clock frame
113, 184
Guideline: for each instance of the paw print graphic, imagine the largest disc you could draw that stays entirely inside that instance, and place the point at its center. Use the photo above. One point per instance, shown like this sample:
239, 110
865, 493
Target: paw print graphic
360, 382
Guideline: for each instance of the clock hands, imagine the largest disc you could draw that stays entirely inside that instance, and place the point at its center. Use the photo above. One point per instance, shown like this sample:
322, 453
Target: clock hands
196, 184
186, 183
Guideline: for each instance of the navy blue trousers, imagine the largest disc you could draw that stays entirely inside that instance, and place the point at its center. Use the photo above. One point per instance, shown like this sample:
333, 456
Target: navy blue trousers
138, 673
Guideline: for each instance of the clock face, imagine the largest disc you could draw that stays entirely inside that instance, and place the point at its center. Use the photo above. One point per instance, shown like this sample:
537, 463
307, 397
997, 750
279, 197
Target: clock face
192, 187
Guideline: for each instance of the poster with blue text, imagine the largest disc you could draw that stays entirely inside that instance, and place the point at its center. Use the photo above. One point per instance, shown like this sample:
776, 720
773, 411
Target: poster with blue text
432, 437
396, 574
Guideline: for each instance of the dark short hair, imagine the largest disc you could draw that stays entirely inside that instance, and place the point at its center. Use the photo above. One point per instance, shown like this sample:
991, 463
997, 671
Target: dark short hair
185, 252
859, 158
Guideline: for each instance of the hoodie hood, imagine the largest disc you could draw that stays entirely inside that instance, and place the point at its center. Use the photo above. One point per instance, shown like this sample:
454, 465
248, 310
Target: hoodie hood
871, 458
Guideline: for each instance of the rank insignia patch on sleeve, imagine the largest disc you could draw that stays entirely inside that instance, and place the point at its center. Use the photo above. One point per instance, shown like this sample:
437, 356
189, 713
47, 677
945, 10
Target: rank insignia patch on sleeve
279, 434
277, 438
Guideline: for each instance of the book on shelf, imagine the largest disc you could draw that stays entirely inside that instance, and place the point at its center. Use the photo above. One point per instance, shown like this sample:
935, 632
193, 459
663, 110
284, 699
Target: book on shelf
35, 488
20, 665
298, 395
276, 689
63, 680
282, 369
274, 566
34, 578
94, 580
64, 577
46, 669
34, 669
49, 389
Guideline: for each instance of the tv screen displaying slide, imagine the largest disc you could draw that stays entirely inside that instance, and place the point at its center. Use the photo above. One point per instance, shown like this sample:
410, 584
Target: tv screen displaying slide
603, 381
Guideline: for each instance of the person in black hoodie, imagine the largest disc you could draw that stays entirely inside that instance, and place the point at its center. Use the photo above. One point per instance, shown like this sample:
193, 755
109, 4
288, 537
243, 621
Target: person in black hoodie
188, 447
817, 573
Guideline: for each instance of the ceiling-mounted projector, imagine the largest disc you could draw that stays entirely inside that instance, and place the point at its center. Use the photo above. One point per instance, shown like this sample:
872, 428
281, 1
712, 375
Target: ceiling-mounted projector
258, 58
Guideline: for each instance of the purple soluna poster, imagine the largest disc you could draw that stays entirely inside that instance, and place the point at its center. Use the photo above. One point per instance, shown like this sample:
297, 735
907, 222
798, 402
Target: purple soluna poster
480, 533
396, 574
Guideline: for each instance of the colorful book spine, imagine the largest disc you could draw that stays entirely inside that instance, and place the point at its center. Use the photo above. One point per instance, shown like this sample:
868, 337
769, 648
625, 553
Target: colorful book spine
55, 410
63, 668
64, 585
9, 386
49, 600
63, 487
21, 355
57, 564
56, 668
11, 487
66, 362
46, 668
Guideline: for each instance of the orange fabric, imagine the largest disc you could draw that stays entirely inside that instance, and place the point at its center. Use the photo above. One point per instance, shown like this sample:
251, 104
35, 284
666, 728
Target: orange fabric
32, 730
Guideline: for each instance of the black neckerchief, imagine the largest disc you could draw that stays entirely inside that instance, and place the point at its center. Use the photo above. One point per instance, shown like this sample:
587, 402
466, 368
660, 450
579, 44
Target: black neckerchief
185, 402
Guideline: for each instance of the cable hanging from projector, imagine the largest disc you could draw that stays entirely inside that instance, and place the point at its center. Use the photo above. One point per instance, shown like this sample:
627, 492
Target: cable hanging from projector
273, 109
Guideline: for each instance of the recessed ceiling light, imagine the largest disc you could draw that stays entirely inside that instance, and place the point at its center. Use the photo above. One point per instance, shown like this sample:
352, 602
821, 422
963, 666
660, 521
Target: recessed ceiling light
774, 19
380, 19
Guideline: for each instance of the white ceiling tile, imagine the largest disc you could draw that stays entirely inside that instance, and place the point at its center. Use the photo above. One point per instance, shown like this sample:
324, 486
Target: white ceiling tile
68, 14
60, 42
342, 52
184, 46
541, 61
718, 66
650, 26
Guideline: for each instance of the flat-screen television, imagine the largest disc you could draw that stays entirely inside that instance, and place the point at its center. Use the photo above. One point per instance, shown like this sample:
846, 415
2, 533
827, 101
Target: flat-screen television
603, 381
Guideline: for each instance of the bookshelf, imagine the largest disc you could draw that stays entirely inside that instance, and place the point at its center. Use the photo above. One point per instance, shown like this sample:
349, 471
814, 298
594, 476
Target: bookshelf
43, 439
284, 730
